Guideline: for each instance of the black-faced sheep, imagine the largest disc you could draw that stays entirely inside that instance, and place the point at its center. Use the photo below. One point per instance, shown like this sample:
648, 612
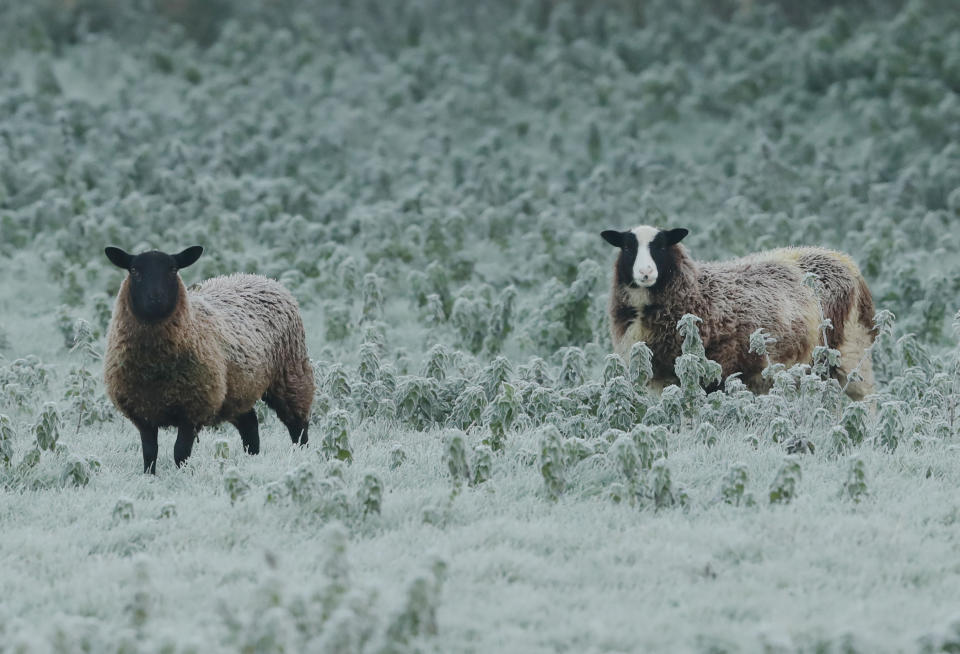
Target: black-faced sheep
188, 359
655, 282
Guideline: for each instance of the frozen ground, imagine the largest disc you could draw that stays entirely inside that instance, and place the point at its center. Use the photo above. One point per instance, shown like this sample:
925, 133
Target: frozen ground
430, 180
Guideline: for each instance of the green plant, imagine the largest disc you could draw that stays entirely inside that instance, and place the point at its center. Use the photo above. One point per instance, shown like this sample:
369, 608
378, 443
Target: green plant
784, 486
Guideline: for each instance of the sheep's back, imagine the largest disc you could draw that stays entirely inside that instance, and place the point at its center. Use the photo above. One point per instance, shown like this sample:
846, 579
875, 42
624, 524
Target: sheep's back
766, 290
258, 323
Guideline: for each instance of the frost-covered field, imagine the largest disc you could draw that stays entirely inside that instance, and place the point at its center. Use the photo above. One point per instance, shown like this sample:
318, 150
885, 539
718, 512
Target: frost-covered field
430, 180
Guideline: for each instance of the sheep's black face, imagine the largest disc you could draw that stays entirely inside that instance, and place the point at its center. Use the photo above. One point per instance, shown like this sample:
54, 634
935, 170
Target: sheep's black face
645, 260
154, 283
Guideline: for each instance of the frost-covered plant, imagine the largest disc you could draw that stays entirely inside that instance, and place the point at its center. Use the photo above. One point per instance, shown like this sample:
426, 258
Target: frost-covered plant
500, 415
371, 293
84, 341
494, 375
641, 364
7, 435
370, 366
46, 430
418, 401
336, 321
482, 464
370, 494
397, 456
671, 404
535, 371
499, 325
455, 458
576, 450
469, 407
661, 486
706, 433
572, 367
780, 430
334, 439
539, 402
853, 421
613, 366
784, 486
694, 370
418, 617
799, 445
436, 362
651, 444
84, 401
337, 383
562, 313
375, 332
77, 471
733, 486
65, 322
235, 485
552, 467
825, 358
23, 379
434, 313
586, 397
855, 486
623, 454
889, 425
123, 510
760, 340
618, 404
470, 317
298, 484
221, 449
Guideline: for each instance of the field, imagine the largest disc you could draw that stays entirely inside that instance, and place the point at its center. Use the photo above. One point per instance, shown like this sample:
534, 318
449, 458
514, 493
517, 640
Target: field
430, 180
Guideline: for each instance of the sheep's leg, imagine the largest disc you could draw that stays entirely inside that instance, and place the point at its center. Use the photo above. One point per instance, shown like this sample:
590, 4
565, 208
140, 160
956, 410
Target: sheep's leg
298, 432
186, 434
246, 424
296, 424
148, 439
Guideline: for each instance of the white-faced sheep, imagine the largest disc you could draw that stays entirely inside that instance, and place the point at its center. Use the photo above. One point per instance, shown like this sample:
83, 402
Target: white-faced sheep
188, 359
655, 282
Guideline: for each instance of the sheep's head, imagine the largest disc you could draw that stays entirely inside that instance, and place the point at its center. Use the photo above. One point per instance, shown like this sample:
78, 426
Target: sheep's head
153, 280
645, 255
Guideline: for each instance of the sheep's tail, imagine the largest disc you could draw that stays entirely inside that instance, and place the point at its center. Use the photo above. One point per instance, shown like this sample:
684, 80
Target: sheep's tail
864, 307
859, 336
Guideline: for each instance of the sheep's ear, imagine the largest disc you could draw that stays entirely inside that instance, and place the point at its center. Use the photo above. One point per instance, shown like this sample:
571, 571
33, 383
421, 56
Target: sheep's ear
118, 257
613, 237
674, 236
188, 257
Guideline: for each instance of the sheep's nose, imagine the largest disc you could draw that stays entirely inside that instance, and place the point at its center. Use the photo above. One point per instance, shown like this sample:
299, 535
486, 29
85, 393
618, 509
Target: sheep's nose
647, 275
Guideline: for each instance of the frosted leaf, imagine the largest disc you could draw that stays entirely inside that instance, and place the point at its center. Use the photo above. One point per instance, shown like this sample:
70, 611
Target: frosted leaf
760, 340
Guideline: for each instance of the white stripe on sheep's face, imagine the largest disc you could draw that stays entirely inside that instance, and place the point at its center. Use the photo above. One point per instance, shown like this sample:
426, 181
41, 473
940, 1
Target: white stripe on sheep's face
154, 283
644, 260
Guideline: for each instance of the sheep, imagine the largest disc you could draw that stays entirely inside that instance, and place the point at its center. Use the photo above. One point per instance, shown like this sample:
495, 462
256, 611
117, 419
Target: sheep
655, 282
189, 359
